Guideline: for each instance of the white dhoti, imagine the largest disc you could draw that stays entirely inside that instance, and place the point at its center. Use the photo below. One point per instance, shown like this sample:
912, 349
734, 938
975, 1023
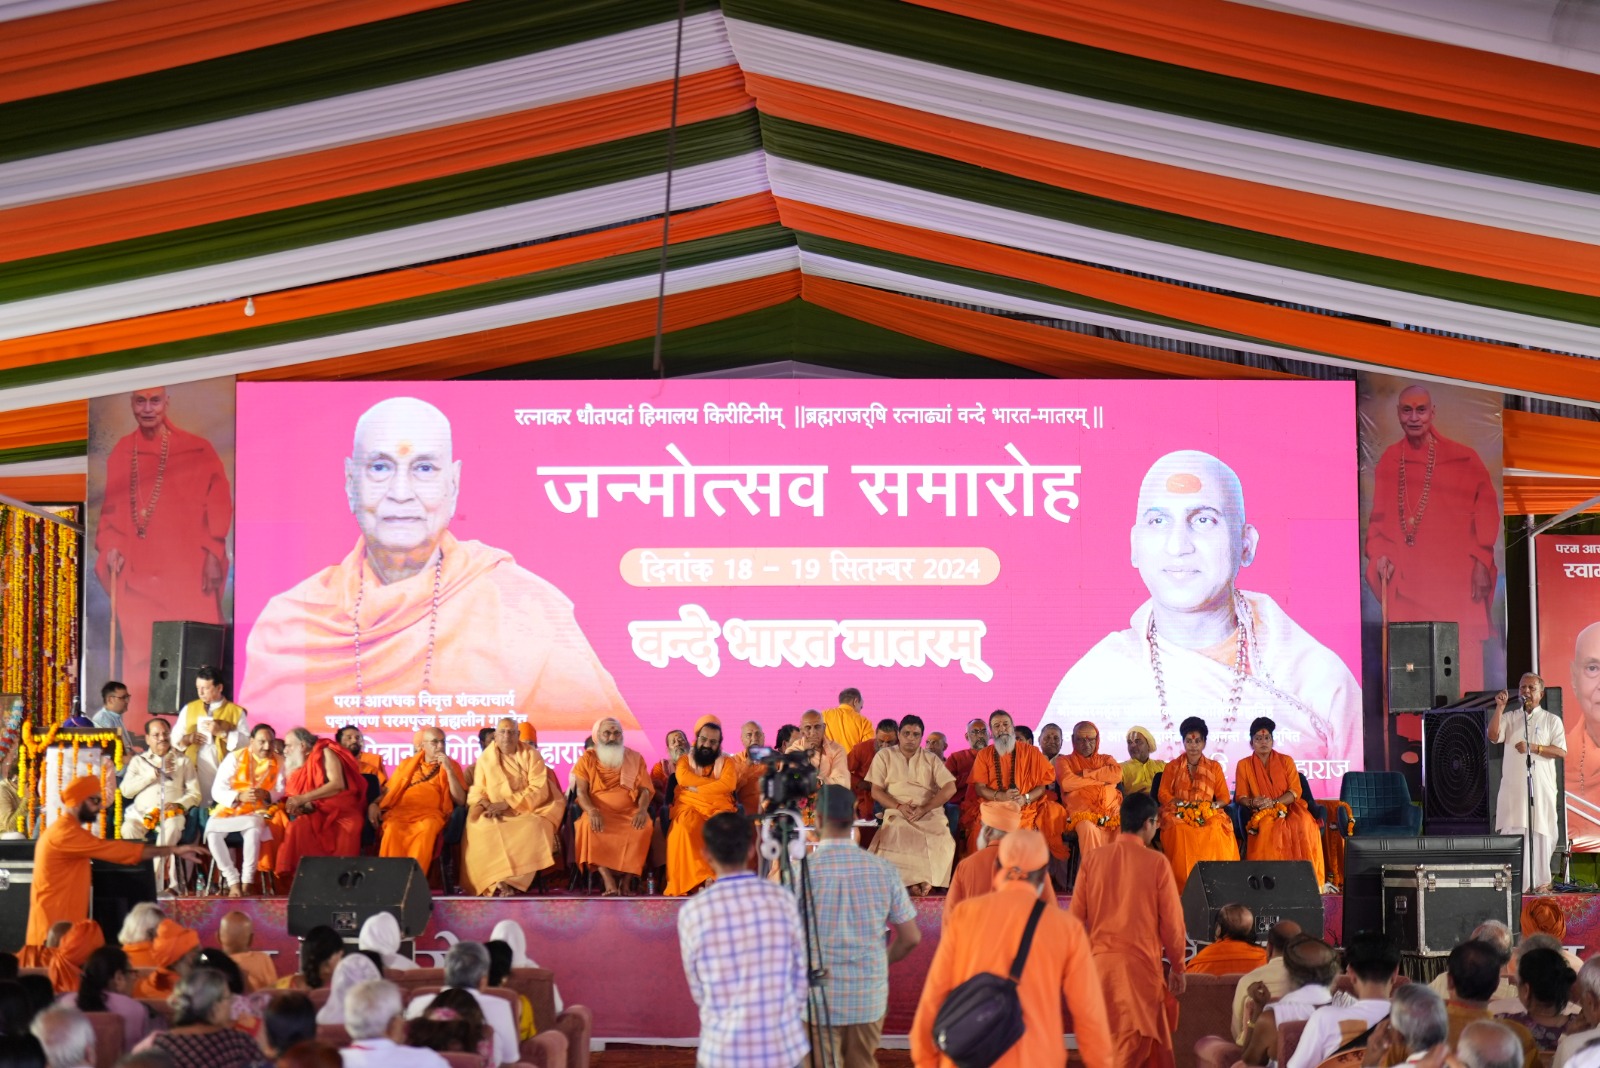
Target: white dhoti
252, 829
1511, 807
169, 870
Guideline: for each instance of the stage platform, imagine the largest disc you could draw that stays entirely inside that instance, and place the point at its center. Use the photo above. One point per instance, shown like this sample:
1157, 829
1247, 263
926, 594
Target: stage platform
619, 956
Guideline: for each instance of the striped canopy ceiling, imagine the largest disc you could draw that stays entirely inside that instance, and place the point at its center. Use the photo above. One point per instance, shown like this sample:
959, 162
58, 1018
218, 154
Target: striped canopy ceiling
1107, 188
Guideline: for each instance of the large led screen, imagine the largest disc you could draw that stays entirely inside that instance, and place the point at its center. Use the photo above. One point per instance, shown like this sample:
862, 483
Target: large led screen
1131, 553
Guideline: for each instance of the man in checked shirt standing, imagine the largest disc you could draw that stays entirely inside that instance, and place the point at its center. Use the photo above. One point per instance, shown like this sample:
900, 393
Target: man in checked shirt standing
744, 957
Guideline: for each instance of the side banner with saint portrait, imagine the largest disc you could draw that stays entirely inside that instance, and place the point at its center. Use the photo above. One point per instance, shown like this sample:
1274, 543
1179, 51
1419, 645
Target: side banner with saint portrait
1567, 570
160, 526
1433, 547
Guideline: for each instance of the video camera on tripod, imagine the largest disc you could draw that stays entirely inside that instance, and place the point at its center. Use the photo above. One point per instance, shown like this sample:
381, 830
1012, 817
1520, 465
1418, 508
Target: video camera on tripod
790, 779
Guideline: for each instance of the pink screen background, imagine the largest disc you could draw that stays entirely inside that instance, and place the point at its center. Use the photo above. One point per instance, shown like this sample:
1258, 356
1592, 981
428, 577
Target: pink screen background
1061, 587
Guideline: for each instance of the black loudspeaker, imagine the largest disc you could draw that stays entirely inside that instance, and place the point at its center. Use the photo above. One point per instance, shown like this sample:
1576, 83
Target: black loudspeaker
1455, 767
1424, 662
341, 892
1272, 889
114, 890
177, 651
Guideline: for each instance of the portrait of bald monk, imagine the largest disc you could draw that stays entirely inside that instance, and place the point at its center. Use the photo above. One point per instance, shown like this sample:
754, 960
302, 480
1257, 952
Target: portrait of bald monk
1582, 721
1431, 537
613, 789
162, 541
413, 608
513, 811
1200, 645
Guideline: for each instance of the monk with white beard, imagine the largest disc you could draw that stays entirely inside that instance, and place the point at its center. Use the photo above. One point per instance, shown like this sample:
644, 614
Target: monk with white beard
613, 789
513, 811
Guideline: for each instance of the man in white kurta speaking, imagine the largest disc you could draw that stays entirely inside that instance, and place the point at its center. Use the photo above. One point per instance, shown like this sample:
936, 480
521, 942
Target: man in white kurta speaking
1528, 731
1200, 646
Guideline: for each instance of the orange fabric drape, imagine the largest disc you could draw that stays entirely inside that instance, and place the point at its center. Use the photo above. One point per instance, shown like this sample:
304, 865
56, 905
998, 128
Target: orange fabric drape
1548, 496
48, 424
46, 489
219, 319
1389, 233
1328, 58
1551, 443
101, 42
1038, 348
455, 356
1381, 346
294, 181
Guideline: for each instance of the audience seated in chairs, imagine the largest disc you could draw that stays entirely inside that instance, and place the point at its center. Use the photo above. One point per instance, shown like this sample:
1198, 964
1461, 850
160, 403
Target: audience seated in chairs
287, 1020
1266, 983
202, 1033
500, 958
1544, 982
104, 987
453, 1023
372, 1016
1235, 951
320, 952
381, 934
1311, 965
466, 967
1474, 971
355, 968
1372, 964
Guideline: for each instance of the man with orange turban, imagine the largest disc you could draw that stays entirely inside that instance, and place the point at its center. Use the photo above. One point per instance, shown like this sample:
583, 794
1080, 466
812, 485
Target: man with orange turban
983, 934
170, 948
411, 607
66, 967
418, 800
613, 789
513, 812
1088, 779
706, 783
325, 800
1015, 774
1127, 898
60, 887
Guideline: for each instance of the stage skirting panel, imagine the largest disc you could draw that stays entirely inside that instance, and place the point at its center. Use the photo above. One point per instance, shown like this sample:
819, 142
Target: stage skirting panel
619, 956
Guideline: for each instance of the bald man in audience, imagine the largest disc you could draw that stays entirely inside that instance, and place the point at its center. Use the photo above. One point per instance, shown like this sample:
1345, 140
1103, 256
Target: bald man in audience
236, 935
1497, 935
828, 756
1487, 1044
1235, 951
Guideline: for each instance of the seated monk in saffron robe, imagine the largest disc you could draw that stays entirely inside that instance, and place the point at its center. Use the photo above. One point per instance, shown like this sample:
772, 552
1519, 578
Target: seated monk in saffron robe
1235, 951
169, 949
513, 813
1195, 825
1088, 780
419, 800
1280, 825
1010, 772
859, 762
427, 611
662, 772
706, 782
912, 785
326, 801
614, 793
960, 765
751, 771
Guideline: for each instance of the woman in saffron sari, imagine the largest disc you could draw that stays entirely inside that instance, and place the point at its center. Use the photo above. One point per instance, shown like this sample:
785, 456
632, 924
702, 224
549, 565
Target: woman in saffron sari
1195, 826
1279, 824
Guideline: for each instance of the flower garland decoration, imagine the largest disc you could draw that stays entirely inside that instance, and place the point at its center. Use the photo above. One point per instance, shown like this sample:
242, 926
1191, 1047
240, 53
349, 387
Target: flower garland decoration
1261, 815
1194, 813
30, 785
1112, 822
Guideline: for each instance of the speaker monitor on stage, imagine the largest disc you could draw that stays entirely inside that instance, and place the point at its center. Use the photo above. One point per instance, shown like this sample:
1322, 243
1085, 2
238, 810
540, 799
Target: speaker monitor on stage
1272, 889
1456, 798
1424, 666
341, 892
178, 650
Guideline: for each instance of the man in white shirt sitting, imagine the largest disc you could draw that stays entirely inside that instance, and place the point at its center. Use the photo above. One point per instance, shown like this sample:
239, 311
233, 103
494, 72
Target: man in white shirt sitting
372, 1016
1372, 961
1272, 977
467, 966
1311, 965
160, 787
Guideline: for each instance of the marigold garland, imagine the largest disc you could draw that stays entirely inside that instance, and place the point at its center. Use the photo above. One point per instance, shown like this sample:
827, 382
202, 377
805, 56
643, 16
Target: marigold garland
1262, 815
30, 785
1194, 813
1112, 822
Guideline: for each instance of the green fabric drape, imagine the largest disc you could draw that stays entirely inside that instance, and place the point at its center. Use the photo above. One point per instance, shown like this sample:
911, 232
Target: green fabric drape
59, 450
1050, 63
368, 56
903, 166
467, 298
366, 213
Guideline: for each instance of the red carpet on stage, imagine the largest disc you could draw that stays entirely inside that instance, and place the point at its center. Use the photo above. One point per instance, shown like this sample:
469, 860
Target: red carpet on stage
619, 956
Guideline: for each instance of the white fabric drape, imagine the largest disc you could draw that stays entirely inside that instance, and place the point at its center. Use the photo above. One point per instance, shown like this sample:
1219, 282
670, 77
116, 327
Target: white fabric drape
571, 72
605, 205
549, 306
1174, 140
932, 211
